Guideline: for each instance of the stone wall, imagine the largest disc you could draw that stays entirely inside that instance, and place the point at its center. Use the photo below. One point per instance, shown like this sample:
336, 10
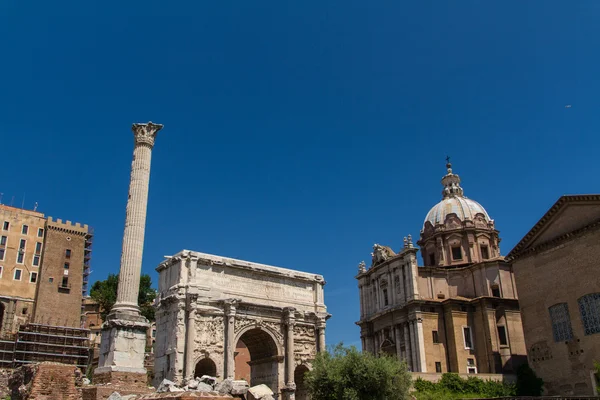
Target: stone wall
45, 381
561, 274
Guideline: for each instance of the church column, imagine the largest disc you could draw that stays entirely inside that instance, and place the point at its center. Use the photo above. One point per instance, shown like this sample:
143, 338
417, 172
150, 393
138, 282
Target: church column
190, 336
420, 344
230, 310
402, 287
290, 321
407, 348
397, 340
413, 346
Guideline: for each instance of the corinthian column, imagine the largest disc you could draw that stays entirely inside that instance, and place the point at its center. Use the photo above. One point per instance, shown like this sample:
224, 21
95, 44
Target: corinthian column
135, 219
230, 311
124, 331
290, 320
190, 336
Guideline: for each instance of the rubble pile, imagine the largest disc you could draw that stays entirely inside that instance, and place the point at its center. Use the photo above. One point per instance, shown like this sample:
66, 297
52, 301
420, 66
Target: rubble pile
207, 384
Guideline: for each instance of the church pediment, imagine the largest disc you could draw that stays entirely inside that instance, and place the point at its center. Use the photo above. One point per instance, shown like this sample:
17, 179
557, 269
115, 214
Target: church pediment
568, 214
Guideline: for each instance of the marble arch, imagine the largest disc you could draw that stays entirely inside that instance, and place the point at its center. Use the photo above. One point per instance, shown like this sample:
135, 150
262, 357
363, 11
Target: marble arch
208, 303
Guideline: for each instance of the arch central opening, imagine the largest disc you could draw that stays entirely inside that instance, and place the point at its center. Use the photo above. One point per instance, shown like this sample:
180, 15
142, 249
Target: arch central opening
256, 359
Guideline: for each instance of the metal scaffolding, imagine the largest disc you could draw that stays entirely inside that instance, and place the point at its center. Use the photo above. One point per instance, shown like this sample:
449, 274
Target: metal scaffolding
36, 343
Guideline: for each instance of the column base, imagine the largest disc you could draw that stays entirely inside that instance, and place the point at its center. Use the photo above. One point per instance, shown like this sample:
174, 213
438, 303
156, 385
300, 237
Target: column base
123, 347
289, 392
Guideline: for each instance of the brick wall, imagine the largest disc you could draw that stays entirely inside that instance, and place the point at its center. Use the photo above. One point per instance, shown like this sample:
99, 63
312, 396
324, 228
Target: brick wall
59, 287
54, 382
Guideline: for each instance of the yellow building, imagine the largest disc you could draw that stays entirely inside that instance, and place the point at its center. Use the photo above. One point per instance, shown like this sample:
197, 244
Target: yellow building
558, 276
28, 255
459, 312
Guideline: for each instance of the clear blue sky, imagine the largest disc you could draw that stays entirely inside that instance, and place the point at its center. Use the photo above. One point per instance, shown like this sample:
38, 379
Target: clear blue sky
297, 133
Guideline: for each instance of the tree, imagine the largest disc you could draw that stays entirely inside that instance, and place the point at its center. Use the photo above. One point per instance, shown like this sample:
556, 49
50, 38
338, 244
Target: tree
347, 374
105, 293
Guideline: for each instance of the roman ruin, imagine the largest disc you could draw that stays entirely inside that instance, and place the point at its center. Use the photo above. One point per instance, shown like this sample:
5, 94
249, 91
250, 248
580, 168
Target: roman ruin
211, 309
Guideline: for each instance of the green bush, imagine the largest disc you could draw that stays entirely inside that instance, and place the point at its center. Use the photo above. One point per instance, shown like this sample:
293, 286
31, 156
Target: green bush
345, 373
452, 386
423, 385
528, 383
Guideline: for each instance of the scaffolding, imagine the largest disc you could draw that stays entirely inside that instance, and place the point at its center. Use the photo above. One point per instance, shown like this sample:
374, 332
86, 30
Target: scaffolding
36, 343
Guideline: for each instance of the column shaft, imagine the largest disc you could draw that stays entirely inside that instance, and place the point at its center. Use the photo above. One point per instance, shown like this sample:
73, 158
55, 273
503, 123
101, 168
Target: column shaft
397, 339
230, 347
407, 346
190, 335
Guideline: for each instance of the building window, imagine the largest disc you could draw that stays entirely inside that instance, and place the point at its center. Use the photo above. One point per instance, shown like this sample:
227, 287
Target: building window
66, 266
33, 277
431, 258
25, 230
51, 280
1, 254
385, 297
65, 282
471, 368
1, 270
467, 337
436, 338
17, 275
502, 335
24, 311
6, 226
589, 309
3, 240
485, 252
561, 322
22, 244
457, 253
68, 253
36, 260
20, 257
40, 232
496, 291
38, 248
438, 367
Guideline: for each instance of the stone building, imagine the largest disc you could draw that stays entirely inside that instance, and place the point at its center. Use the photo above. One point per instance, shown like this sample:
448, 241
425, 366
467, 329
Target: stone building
457, 313
44, 264
558, 278
210, 308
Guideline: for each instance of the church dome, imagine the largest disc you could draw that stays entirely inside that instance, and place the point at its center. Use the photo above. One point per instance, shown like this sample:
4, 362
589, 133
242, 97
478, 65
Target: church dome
463, 207
454, 202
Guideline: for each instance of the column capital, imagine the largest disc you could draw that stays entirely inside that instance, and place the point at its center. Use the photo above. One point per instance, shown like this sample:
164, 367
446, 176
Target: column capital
231, 306
289, 313
145, 133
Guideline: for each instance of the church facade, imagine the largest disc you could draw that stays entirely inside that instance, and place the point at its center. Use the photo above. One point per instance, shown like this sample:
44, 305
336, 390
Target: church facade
459, 312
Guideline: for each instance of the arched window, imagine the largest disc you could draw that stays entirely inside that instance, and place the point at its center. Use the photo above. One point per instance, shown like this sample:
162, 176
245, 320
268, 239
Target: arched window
561, 322
589, 309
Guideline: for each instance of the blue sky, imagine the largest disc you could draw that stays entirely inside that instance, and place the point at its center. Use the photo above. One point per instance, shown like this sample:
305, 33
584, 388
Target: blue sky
297, 133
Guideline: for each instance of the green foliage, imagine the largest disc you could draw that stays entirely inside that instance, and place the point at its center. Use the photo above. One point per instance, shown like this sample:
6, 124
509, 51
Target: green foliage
105, 293
345, 373
423, 385
452, 386
597, 373
528, 383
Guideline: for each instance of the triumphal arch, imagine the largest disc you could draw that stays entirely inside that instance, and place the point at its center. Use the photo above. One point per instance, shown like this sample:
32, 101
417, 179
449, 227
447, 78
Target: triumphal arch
237, 319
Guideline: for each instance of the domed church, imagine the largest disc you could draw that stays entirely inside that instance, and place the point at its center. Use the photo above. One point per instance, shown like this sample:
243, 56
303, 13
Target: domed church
459, 312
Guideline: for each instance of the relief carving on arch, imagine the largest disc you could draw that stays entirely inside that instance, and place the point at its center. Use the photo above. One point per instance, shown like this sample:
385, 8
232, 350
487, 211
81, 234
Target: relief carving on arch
305, 348
209, 331
273, 327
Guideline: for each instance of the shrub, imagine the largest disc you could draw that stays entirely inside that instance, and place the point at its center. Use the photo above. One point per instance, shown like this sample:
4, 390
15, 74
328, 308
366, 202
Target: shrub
345, 373
423, 385
528, 383
453, 386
